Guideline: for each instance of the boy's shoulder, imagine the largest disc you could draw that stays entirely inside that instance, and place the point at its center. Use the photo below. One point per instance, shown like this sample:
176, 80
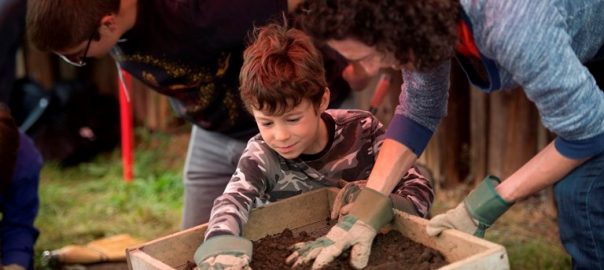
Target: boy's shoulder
347, 116
257, 148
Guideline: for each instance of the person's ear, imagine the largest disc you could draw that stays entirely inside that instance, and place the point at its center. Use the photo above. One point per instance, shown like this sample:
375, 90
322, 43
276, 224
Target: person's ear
108, 23
325, 100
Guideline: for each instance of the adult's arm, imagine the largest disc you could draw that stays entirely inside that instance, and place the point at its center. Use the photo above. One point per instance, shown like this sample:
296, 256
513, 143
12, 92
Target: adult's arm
543, 170
568, 99
422, 103
412, 192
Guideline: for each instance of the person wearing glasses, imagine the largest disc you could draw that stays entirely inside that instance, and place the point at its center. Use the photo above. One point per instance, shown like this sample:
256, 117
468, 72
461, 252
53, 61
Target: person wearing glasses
190, 51
541, 46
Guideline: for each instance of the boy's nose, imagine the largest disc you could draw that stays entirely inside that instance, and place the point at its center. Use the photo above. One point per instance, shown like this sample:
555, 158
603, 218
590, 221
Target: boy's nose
281, 134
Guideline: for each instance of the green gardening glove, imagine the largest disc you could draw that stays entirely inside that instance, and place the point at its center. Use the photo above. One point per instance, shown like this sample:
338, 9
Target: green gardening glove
371, 210
224, 252
475, 214
348, 193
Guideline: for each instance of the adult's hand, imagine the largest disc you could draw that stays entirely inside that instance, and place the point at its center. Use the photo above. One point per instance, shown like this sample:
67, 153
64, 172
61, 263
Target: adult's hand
224, 252
343, 200
475, 214
370, 211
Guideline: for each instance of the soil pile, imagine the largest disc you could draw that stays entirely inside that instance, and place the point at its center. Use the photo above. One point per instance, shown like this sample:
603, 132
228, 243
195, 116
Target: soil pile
389, 251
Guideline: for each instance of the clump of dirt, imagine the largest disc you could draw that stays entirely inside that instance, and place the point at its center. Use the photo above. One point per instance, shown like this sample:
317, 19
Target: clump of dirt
389, 251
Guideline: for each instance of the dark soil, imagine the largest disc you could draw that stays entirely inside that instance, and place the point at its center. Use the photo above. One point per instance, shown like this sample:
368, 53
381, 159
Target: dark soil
389, 251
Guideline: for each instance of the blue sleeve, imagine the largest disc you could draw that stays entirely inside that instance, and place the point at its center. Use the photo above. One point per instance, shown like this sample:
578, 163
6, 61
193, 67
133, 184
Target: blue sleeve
17, 231
579, 149
537, 42
422, 104
416, 138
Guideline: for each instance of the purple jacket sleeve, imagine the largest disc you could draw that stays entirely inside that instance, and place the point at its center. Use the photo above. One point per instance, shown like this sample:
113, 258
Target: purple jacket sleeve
20, 208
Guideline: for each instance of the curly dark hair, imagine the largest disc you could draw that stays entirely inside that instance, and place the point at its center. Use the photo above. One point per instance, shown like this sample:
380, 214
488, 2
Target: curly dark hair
423, 33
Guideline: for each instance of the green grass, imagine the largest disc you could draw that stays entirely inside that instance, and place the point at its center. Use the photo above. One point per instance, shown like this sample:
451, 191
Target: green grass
535, 254
92, 200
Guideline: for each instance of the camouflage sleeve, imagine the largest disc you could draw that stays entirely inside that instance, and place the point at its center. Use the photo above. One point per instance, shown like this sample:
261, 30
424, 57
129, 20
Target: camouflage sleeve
377, 133
417, 189
247, 186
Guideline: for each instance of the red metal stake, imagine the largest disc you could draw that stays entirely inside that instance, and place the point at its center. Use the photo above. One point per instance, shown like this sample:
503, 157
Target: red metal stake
126, 124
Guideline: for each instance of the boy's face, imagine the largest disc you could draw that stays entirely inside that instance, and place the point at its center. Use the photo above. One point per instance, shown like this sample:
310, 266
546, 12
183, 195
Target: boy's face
365, 56
299, 130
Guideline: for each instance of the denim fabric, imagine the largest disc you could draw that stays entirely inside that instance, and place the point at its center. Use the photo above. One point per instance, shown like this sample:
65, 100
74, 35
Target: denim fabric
580, 200
211, 161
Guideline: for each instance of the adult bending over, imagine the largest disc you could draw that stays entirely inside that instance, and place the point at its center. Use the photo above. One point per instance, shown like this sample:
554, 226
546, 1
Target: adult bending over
540, 46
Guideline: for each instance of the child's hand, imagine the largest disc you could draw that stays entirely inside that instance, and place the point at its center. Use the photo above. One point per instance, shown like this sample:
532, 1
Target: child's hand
227, 261
224, 252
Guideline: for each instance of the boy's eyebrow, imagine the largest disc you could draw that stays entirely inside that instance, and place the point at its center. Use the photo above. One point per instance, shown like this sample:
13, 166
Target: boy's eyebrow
262, 118
299, 111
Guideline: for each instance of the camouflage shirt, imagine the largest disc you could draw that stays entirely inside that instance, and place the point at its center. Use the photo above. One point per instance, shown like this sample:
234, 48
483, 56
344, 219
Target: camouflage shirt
263, 176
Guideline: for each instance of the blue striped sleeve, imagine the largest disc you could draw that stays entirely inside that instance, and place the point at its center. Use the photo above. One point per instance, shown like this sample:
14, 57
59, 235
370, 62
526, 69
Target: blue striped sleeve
578, 149
409, 133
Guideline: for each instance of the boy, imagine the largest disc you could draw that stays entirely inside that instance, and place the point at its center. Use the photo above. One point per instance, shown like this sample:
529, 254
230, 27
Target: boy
301, 146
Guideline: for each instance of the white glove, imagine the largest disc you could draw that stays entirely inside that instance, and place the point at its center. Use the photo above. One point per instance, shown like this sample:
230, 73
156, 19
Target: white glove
348, 232
479, 210
370, 211
226, 262
224, 252
456, 218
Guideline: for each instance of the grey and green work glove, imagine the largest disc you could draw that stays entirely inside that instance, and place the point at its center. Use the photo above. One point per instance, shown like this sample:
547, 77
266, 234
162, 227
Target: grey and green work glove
226, 252
349, 192
370, 211
475, 214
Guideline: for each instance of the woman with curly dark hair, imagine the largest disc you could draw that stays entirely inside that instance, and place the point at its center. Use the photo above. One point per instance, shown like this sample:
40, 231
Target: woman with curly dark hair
540, 46
422, 32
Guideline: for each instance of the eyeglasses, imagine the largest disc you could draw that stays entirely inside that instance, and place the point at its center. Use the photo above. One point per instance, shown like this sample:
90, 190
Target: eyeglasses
81, 60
